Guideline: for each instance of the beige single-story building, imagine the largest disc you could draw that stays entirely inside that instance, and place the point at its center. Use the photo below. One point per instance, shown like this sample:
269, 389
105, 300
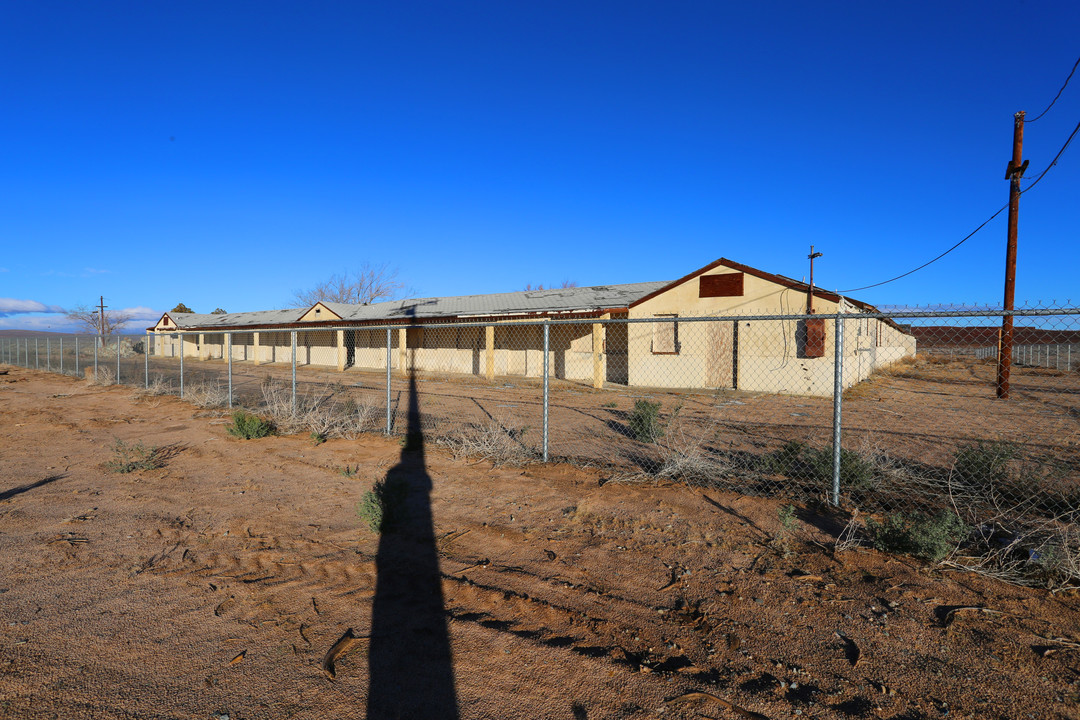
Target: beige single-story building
587, 344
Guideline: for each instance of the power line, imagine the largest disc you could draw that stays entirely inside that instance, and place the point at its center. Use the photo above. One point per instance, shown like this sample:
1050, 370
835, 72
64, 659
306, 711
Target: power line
1058, 94
965, 239
1054, 161
909, 272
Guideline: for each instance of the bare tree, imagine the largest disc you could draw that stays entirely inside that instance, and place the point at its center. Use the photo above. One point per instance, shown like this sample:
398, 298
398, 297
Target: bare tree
369, 283
563, 284
90, 320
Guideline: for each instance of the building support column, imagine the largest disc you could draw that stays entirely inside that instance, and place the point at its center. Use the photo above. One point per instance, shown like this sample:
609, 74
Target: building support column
227, 347
341, 351
402, 346
255, 347
599, 334
204, 354
489, 352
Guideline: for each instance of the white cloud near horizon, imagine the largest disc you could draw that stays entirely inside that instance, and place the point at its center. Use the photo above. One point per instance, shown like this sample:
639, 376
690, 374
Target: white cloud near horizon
13, 306
34, 315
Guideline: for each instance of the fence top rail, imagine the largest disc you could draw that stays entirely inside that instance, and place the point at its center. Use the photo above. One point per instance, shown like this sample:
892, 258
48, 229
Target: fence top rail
907, 315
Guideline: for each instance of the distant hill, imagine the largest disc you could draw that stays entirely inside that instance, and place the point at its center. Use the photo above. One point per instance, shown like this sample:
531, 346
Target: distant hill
951, 336
36, 333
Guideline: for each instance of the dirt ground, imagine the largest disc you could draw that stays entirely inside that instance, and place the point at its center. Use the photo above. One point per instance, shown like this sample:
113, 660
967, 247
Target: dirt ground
216, 585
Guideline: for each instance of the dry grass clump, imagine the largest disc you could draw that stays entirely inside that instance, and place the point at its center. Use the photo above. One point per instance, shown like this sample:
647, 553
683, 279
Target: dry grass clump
685, 453
103, 377
158, 386
324, 414
502, 442
206, 395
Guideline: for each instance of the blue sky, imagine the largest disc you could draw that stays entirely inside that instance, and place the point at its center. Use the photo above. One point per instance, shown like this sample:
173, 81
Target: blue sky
228, 154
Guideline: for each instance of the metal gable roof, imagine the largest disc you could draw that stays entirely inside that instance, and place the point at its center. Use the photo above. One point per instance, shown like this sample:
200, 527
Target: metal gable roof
599, 297
555, 300
241, 319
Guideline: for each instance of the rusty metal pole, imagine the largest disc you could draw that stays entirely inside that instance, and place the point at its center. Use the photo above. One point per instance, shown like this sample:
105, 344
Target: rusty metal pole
1013, 173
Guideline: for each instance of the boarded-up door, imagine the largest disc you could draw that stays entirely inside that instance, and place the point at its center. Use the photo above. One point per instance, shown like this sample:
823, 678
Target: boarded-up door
720, 355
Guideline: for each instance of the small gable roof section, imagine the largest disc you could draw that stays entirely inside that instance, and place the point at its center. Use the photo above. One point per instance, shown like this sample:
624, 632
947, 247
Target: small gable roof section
319, 312
164, 323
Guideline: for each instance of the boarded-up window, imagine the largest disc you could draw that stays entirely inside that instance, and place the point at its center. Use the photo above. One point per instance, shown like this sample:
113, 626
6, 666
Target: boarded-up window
815, 337
726, 285
665, 339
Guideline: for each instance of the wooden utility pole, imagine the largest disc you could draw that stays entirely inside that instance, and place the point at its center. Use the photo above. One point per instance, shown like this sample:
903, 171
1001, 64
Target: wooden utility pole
101, 320
1013, 173
810, 292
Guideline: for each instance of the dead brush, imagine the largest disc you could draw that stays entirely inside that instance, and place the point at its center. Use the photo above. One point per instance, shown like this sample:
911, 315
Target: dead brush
1042, 554
103, 377
206, 395
501, 442
323, 414
685, 454
158, 386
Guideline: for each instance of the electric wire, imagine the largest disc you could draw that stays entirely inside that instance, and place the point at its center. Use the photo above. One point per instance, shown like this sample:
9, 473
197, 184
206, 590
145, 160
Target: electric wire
1058, 94
1054, 161
965, 239
909, 272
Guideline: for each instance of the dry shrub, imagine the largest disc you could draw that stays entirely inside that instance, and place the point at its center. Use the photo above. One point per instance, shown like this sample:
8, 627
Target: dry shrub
1034, 553
104, 376
158, 386
685, 454
502, 442
324, 414
206, 395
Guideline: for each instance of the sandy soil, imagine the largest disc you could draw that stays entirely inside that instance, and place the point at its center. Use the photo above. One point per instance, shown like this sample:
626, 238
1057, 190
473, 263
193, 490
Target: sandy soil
216, 585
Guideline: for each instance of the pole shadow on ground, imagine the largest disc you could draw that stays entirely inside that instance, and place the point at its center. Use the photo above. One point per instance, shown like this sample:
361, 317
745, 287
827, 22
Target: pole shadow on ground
410, 661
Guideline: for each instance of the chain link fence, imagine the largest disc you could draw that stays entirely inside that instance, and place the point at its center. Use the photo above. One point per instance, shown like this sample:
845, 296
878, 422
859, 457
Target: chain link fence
906, 428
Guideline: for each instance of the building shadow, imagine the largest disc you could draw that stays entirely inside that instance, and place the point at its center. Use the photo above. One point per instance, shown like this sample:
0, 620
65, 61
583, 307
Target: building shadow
410, 661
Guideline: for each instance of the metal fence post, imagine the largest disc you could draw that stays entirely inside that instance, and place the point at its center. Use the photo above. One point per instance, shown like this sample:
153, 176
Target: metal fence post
48, 354
117, 359
230, 337
61, 356
37, 355
181, 338
294, 372
547, 329
95, 360
389, 420
838, 392
146, 361
76, 355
